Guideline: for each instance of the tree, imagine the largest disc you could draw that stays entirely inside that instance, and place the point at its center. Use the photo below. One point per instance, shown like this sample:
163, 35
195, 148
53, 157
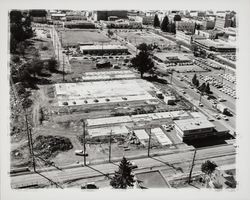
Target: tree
173, 28
143, 47
207, 90
20, 48
123, 178
202, 88
177, 18
110, 33
164, 24
20, 29
208, 167
143, 62
35, 67
156, 21
52, 64
194, 79
197, 83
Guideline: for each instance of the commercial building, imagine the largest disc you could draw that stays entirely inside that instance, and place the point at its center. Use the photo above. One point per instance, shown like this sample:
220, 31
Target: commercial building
148, 20
39, 16
209, 34
79, 24
194, 13
184, 36
223, 20
171, 58
207, 24
58, 16
105, 14
102, 49
122, 24
185, 26
194, 128
70, 17
214, 45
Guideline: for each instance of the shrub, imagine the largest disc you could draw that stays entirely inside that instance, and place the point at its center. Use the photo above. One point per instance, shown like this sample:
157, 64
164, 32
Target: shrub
44, 48
65, 103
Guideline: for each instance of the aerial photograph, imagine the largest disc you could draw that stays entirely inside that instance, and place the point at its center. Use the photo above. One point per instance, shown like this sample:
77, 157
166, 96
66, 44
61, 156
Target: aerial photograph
122, 99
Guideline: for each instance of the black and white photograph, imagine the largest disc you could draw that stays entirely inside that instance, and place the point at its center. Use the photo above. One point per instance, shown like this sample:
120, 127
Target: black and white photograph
124, 98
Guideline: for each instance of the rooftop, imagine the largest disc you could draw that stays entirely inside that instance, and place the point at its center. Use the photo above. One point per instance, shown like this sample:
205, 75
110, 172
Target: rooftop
171, 56
214, 43
194, 124
97, 47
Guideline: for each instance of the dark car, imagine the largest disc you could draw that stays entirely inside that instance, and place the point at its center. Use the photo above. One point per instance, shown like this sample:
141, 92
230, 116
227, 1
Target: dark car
89, 186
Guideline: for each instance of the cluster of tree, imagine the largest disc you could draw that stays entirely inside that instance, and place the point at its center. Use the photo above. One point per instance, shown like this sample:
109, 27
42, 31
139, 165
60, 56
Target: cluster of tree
123, 178
204, 88
168, 27
147, 47
197, 26
110, 33
20, 30
198, 52
208, 167
31, 69
143, 61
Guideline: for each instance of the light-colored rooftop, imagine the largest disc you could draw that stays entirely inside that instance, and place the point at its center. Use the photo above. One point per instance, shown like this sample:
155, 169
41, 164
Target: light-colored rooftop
141, 134
214, 43
161, 137
194, 124
166, 56
102, 47
105, 131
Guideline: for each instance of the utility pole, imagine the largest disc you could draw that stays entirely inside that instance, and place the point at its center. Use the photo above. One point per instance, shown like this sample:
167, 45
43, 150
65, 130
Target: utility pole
63, 68
110, 146
27, 128
58, 52
149, 141
32, 152
84, 142
191, 170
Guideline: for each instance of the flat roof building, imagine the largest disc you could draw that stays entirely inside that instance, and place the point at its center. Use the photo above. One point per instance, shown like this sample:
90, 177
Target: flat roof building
194, 128
215, 45
171, 58
188, 26
105, 14
107, 48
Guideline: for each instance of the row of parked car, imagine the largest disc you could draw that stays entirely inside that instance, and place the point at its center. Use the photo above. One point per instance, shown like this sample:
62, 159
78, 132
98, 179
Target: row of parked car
208, 63
229, 77
223, 87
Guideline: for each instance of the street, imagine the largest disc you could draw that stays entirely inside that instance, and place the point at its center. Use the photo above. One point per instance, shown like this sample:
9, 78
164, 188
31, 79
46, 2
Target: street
169, 161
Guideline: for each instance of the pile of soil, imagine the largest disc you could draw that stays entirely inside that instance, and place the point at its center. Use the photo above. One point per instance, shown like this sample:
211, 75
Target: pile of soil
50, 146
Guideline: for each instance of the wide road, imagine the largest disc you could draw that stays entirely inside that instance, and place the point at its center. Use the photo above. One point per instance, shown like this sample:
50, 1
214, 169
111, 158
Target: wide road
169, 161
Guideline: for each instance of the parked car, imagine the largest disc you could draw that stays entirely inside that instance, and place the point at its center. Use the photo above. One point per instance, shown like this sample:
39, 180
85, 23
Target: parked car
89, 186
80, 153
133, 165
